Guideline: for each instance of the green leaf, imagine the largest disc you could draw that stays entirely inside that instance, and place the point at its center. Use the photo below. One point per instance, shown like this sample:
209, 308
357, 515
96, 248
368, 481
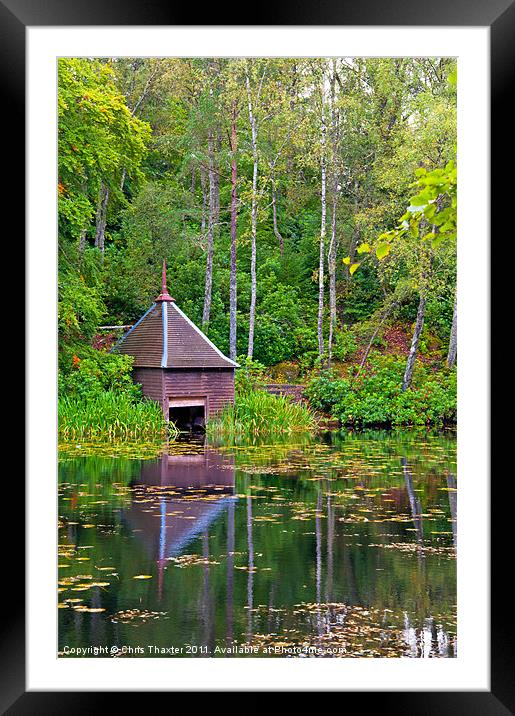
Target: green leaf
382, 250
419, 200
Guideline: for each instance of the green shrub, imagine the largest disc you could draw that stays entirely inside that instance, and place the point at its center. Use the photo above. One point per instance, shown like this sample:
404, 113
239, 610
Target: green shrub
376, 397
251, 375
95, 373
344, 344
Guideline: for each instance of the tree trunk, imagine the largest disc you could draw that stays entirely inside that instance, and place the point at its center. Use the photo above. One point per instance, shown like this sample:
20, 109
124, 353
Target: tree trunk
218, 147
193, 182
333, 244
419, 325
331, 264
84, 230
277, 233
208, 287
203, 186
354, 241
253, 215
234, 197
453, 340
101, 217
323, 167
82, 241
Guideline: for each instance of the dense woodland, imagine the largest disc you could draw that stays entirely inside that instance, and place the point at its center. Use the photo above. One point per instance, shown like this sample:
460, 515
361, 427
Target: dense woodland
306, 209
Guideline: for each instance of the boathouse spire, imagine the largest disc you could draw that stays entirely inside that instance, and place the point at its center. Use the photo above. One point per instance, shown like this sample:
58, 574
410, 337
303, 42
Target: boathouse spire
164, 295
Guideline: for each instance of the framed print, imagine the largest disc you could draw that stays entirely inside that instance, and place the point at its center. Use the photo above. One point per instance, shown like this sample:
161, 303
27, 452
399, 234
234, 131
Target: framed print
255, 256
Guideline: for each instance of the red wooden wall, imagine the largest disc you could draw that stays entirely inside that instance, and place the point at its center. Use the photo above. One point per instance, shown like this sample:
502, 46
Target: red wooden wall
217, 385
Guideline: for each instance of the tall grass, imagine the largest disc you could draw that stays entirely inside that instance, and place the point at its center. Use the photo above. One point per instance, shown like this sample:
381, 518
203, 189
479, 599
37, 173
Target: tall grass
258, 413
111, 415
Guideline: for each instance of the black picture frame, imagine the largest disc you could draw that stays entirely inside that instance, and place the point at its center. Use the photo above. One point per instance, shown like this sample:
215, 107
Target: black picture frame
499, 16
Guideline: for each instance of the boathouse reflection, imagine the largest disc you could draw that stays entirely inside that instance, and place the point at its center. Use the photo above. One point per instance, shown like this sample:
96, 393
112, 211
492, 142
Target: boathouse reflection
195, 489
200, 487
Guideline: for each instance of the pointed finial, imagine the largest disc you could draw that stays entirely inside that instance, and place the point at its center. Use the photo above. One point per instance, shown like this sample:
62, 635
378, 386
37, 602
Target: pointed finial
164, 295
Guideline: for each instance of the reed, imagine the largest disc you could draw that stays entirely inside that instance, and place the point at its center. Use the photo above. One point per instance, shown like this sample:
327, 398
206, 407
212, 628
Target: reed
111, 416
258, 413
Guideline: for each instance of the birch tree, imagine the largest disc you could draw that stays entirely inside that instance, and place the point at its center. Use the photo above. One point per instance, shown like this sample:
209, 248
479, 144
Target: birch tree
323, 199
213, 184
208, 281
453, 340
333, 244
254, 202
234, 204
419, 325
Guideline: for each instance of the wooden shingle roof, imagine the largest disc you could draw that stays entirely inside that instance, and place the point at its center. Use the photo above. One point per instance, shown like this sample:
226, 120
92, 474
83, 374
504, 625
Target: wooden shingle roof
164, 337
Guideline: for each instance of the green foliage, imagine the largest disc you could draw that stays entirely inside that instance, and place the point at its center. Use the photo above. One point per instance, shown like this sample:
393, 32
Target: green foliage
376, 398
79, 310
96, 373
251, 375
99, 138
139, 127
98, 400
434, 204
109, 415
281, 331
344, 344
256, 413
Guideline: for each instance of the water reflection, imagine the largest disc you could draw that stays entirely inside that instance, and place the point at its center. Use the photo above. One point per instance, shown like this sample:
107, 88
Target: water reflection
345, 546
415, 505
193, 491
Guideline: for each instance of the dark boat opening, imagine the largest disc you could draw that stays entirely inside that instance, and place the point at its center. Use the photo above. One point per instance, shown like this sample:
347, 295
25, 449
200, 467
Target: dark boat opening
188, 418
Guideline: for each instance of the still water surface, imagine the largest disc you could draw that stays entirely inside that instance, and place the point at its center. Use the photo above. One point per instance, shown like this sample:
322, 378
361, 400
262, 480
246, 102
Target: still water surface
339, 546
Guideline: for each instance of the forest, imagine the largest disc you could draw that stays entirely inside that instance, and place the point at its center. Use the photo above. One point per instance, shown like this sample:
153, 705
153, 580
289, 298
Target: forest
306, 210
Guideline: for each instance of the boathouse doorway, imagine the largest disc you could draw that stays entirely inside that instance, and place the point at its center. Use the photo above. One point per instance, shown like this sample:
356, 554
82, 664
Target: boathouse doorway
188, 414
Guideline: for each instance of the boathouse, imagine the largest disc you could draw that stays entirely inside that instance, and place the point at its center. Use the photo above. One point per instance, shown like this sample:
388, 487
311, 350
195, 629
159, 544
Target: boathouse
177, 365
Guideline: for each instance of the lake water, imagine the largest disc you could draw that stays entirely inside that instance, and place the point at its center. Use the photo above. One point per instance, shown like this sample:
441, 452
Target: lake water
338, 546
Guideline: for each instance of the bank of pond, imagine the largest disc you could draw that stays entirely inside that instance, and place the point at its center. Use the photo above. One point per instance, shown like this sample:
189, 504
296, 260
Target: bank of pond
374, 399
341, 544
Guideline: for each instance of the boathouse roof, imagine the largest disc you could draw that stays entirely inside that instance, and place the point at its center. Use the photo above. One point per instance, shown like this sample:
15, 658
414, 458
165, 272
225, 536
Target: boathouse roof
164, 337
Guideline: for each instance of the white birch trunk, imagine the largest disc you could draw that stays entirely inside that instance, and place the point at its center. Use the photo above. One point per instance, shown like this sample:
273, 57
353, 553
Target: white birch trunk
277, 233
419, 325
321, 262
333, 244
208, 287
203, 185
101, 217
453, 340
331, 265
253, 214
233, 285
